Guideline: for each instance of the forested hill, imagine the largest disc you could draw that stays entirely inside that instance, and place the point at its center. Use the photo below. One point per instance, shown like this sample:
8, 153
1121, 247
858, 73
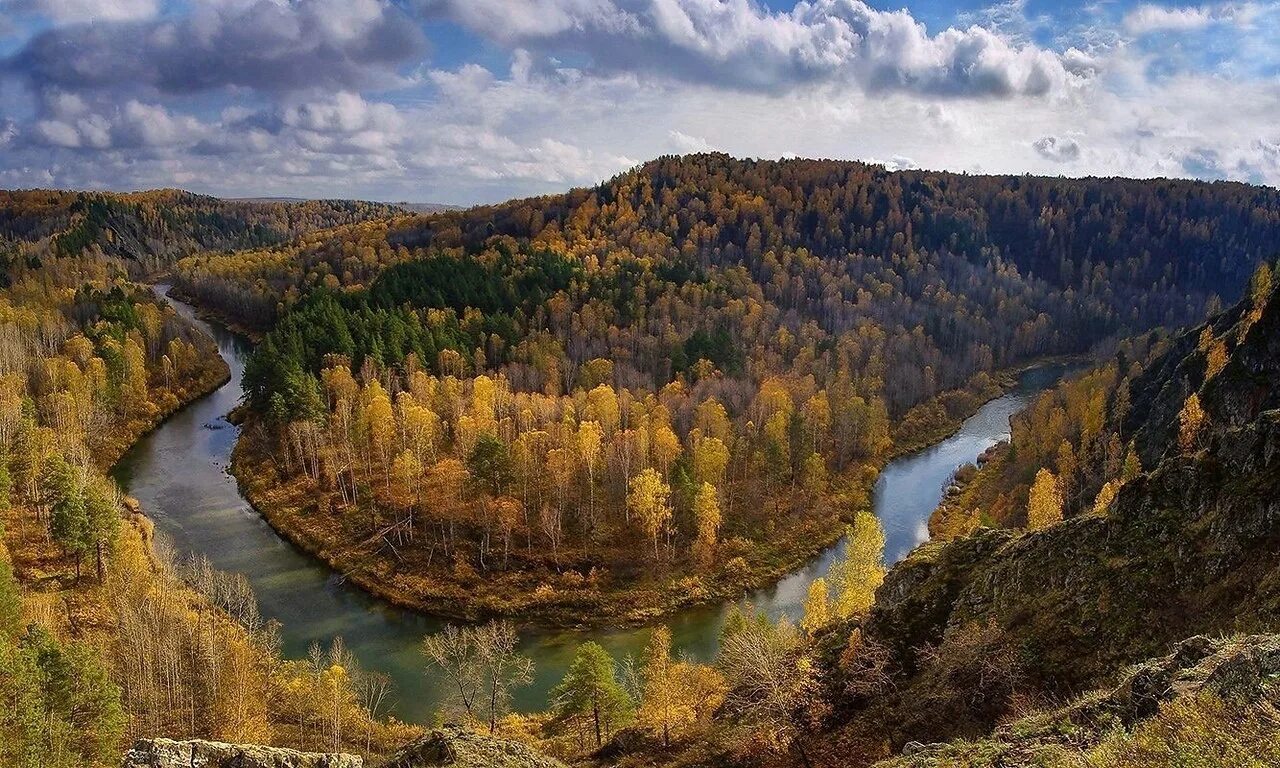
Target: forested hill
151, 229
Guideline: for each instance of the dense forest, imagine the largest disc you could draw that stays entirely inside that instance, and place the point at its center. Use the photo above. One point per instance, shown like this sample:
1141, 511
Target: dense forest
106, 635
147, 231
702, 357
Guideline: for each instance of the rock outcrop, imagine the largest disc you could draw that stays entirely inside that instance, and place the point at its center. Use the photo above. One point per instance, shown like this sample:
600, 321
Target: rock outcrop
458, 747
1240, 670
198, 753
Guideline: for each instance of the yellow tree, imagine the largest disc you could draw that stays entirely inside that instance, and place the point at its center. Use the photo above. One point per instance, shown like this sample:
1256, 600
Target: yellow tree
817, 607
382, 422
1044, 501
649, 500
1189, 421
677, 695
407, 471
706, 519
710, 460
1105, 496
589, 440
855, 577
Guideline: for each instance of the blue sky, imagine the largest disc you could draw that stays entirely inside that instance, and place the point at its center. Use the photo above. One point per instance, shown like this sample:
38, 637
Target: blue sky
479, 100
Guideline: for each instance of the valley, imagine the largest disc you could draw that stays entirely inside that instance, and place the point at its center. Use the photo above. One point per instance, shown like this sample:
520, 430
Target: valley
718, 462
179, 474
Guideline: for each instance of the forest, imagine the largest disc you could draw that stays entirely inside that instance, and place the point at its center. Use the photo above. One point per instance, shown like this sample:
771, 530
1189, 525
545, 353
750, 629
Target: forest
705, 357
595, 408
106, 633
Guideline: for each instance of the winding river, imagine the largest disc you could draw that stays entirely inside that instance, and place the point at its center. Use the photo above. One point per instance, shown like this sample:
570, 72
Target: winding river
179, 474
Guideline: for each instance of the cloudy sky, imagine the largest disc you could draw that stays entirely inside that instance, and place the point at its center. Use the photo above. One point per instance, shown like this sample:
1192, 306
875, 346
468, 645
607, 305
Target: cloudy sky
466, 101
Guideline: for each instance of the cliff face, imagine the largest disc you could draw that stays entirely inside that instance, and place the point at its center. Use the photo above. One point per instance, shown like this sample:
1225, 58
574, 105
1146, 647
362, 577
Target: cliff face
1241, 671
1190, 547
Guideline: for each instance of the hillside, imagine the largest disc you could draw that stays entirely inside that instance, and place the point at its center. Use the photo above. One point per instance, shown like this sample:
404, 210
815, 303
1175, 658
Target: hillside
968, 632
150, 230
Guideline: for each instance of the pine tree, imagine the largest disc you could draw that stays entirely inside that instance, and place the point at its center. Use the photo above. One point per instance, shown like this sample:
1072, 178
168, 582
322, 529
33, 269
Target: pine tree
590, 689
69, 522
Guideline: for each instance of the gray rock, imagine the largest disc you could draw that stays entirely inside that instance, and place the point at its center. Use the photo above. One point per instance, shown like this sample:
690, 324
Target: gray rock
197, 753
458, 747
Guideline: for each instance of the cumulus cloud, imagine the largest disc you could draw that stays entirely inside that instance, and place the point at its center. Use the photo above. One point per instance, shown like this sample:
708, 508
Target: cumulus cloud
739, 44
1148, 18
1057, 149
264, 45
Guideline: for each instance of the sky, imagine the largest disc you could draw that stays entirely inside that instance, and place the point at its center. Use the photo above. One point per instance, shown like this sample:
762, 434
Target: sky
468, 101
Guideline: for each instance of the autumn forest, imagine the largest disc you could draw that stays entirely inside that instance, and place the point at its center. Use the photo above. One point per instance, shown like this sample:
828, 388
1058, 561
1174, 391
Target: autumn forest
590, 410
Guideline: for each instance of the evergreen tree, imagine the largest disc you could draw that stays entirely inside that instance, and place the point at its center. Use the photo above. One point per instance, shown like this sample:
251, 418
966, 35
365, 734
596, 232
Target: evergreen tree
590, 690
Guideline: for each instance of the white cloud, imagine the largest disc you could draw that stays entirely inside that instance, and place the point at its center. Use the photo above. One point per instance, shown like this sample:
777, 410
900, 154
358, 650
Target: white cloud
1060, 150
739, 44
683, 143
1148, 18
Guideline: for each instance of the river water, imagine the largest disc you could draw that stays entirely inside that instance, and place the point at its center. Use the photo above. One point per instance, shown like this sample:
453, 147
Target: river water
179, 474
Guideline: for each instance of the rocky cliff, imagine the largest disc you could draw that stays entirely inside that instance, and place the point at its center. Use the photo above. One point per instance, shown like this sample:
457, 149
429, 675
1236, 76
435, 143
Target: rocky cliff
1240, 670
1190, 547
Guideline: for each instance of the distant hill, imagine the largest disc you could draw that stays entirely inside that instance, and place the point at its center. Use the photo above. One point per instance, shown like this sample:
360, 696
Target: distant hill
414, 207
148, 230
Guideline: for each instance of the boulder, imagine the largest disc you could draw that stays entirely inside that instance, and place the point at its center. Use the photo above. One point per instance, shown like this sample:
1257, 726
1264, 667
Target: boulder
198, 753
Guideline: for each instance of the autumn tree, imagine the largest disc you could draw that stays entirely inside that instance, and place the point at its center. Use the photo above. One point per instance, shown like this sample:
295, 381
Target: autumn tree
481, 666
769, 679
649, 500
706, 520
1190, 420
856, 576
817, 607
1044, 501
676, 695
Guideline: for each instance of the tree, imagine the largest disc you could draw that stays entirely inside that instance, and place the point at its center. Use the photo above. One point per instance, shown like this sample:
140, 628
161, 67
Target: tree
589, 440
103, 519
69, 522
1105, 496
590, 689
817, 607
1190, 420
855, 577
768, 676
649, 500
676, 694
489, 464
706, 519
482, 667
1044, 501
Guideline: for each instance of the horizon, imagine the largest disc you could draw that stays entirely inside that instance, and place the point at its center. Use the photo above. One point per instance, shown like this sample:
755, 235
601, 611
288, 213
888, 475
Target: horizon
446, 205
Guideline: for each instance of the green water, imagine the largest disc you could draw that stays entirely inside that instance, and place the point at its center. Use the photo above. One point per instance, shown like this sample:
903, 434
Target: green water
179, 475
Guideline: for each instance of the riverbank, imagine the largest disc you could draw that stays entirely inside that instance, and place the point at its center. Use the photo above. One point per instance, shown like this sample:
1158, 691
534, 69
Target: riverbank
579, 595
579, 591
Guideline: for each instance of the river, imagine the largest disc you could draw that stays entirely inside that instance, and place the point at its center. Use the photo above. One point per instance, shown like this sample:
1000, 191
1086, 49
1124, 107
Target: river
179, 474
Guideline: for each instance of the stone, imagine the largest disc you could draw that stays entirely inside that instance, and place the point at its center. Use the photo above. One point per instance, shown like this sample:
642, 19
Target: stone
198, 753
